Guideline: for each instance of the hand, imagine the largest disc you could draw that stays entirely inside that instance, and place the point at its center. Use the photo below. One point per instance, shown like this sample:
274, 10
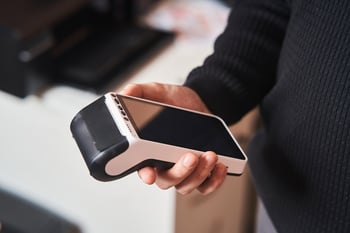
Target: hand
191, 172
176, 95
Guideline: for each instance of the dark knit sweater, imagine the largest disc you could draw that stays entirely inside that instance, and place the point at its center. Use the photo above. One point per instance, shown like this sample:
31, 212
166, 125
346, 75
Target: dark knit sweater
293, 59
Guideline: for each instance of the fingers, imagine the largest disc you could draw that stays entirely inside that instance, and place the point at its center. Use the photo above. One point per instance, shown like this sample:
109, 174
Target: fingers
148, 175
189, 173
151, 91
175, 175
166, 93
133, 90
170, 177
206, 164
202, 173
215, 180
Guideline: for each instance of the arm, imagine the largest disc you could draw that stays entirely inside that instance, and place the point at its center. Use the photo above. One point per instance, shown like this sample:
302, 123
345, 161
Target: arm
243, 67
238, 74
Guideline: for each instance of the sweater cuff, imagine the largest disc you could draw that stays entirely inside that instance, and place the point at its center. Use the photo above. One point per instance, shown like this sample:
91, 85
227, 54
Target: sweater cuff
217, 97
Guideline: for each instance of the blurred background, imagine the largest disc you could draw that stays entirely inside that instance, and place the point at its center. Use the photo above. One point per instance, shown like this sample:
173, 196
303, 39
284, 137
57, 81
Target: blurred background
57, 56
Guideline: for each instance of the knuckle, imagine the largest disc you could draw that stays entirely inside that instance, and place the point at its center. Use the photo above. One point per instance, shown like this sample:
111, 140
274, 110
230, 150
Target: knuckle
203, 174
179, 175
157, 86
183, 191
205, 191
164, 186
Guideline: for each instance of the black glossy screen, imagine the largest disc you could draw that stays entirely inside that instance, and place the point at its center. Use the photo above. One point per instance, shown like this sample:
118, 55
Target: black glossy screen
178, 127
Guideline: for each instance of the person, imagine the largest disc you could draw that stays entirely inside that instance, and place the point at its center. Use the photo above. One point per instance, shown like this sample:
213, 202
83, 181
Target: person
292, 59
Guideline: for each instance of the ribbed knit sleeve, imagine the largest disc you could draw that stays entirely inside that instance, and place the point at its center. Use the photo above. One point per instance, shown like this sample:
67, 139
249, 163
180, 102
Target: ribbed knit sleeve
296, 65
244, 61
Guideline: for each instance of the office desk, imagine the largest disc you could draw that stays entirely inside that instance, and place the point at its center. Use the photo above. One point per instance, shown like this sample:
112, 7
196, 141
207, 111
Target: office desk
40, 161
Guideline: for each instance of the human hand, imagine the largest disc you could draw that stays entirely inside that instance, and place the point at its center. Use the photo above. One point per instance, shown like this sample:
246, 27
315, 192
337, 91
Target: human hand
176, 95
191, 172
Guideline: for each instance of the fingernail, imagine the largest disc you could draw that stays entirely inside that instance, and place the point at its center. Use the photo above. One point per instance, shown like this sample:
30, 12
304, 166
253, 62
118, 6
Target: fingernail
189, 161
210, 159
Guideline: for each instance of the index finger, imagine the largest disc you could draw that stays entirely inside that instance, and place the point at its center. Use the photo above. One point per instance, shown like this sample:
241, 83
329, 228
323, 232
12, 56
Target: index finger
152, 91
133, 90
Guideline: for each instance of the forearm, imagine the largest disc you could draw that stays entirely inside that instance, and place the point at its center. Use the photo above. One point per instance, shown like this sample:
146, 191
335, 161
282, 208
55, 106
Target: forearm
242, 68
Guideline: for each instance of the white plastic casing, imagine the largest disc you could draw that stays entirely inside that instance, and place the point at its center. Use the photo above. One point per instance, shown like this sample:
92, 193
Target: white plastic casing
141, 150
